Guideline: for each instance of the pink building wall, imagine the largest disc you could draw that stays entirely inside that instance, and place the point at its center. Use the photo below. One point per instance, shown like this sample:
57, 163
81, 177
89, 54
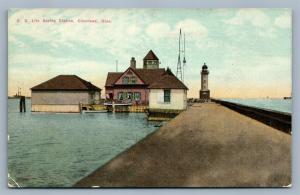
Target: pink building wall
130, 87
144, 93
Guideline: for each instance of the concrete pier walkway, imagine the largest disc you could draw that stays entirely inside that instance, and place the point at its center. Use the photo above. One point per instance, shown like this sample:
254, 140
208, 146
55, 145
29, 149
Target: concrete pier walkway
206, 146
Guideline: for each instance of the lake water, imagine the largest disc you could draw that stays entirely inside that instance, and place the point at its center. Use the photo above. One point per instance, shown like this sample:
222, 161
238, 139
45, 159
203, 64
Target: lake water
267, 103
57, 150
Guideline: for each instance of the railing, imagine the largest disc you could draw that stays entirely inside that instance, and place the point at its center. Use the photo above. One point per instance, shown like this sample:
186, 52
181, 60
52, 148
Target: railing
126, 101
279, 120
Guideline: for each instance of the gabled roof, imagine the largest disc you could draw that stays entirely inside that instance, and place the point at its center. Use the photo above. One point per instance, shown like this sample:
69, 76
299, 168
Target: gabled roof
112, 77
150, 56
66, 82
148, 76
154, 78
135, 72
167, 81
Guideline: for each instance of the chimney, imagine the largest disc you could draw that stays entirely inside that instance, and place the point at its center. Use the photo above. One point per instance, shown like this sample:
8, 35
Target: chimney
133, 63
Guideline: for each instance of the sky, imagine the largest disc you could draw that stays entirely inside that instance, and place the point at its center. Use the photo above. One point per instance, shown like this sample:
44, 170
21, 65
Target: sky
247, 51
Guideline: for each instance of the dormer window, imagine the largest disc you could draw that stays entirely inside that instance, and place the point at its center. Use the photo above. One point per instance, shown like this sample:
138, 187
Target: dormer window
125, 80
133, 80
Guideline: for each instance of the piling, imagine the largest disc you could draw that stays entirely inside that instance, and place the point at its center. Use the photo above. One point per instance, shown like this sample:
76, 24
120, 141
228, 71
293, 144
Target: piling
22, 104
113, 106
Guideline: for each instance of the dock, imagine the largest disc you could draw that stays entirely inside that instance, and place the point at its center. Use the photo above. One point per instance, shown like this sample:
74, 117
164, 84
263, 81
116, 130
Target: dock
208, 145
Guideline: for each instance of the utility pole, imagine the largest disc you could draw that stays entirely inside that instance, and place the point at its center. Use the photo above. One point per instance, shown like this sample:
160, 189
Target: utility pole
116, 65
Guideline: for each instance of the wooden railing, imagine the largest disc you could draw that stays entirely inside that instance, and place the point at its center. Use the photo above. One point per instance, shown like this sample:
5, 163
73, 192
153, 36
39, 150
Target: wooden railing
279, 120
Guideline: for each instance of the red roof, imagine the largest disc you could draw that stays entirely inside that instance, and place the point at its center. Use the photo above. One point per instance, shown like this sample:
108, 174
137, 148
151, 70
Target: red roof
150, 56
167, 81
66, 82
154, 78
112, 78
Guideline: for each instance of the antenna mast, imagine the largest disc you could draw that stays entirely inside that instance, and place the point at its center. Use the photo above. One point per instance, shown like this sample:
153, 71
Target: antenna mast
184, 61
179, 68
116, 65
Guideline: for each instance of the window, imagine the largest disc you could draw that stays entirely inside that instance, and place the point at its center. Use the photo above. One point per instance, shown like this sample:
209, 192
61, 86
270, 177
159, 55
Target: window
125, 80
167, 95
92, 96
152, 62
137, 96
129, 95
133, 80
120, 96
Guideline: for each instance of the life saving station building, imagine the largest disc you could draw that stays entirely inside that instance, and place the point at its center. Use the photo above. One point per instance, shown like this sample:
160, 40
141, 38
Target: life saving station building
153, 86
63, 93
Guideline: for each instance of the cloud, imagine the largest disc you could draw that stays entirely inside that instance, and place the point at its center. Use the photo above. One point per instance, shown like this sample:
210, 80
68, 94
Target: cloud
192, 27
283, 21
158, 30
39, 51
100, 36
43, 62
261, 22
256, 17
268, 33
133, 30
40, 67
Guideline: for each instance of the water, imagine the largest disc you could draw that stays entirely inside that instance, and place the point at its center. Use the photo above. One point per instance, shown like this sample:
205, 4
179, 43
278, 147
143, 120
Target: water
267, 103
57, 150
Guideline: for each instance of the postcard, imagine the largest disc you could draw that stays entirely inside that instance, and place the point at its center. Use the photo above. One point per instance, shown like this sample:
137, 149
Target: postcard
102, 98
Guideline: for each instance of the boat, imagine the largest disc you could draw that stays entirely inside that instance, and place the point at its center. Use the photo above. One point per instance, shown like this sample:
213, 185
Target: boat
93, 111
287, 98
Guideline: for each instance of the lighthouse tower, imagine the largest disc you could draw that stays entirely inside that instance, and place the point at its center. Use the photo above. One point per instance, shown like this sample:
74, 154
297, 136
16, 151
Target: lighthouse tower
204, 92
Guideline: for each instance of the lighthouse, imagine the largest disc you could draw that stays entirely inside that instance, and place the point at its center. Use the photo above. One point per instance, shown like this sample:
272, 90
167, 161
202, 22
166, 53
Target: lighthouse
204, 92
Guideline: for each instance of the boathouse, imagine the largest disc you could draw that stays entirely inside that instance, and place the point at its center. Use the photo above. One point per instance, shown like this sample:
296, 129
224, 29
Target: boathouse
151, 86
167, 92
63, 93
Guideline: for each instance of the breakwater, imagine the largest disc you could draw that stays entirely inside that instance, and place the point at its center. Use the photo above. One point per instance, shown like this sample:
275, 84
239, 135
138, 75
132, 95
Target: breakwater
207, 145
279, 120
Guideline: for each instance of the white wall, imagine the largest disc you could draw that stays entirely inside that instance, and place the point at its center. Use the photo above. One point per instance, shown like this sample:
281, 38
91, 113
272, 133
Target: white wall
204, 82
178, 99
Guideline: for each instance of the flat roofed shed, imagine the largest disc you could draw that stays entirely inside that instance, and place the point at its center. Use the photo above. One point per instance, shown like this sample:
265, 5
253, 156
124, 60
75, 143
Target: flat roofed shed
66, 83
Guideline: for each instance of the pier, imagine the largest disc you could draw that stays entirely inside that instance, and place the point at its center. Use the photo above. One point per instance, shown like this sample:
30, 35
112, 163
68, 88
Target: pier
208, 145
279, 120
